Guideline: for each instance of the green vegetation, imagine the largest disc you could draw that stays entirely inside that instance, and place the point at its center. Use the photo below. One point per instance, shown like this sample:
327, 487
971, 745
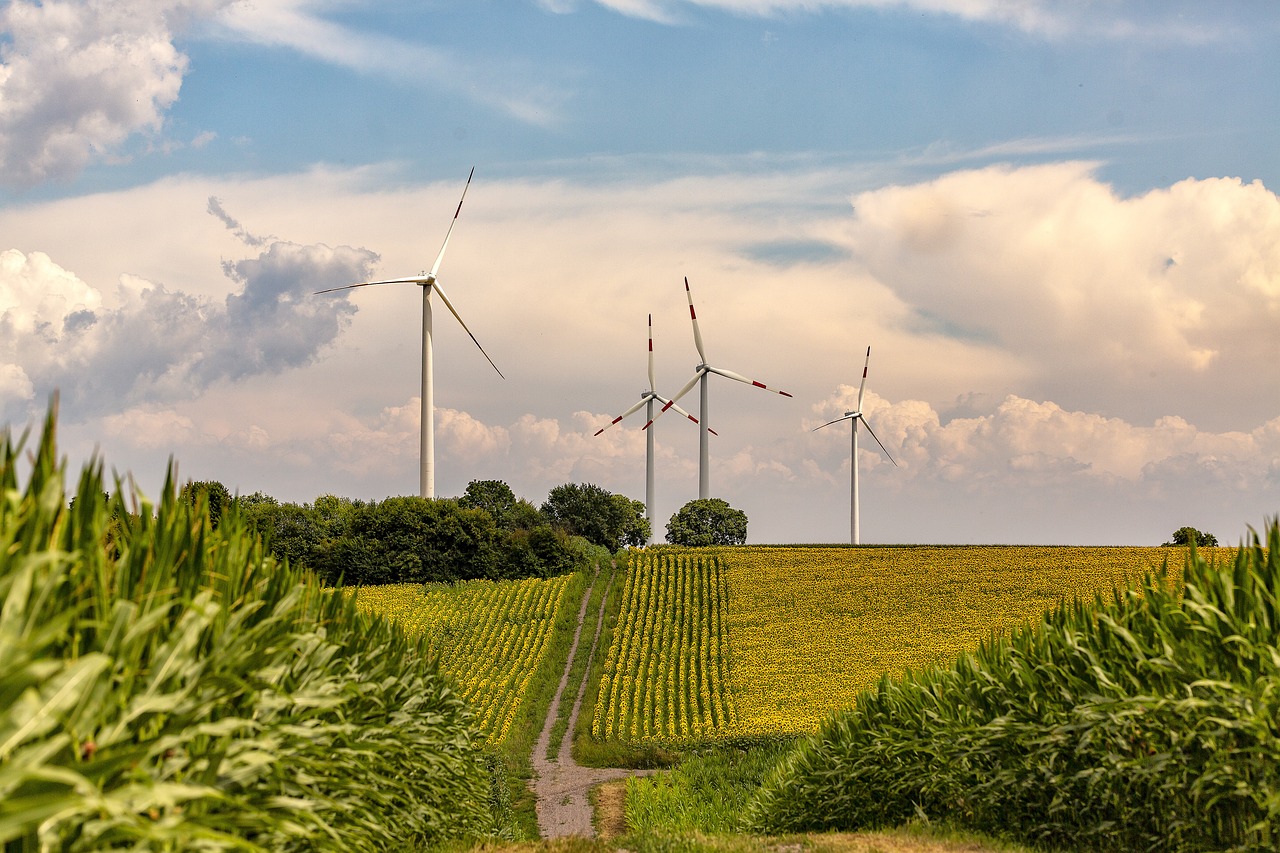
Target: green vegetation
165, 685
707, 521
415, 540
1185, 536
1147, 721
599, 516
709, 792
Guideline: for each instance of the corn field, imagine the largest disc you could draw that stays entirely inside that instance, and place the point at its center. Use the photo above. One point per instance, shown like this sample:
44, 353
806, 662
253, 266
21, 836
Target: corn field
489, 638
165, 685
666, 676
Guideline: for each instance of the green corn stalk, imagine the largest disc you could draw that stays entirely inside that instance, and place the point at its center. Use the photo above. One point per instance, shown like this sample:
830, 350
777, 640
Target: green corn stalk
168, 686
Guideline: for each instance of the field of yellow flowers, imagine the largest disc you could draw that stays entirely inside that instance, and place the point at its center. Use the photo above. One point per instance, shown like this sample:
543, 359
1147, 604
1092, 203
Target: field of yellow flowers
811, 627
489, 637
761, 641
665, 674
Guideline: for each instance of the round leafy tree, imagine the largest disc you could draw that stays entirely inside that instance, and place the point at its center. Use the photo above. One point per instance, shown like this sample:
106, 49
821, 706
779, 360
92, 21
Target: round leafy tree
597, 515
707, 521
1189, 535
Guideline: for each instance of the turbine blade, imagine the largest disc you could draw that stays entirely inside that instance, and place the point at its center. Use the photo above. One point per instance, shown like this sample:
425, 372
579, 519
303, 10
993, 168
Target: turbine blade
435, 268
419, 280
685, 390
836, 421
634, 408
458, 317
862, 386
697, 333
681, 411
878, 441
652, 385
729, 374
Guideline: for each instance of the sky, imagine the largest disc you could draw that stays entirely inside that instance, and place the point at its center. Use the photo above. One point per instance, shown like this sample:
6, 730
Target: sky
1054, 223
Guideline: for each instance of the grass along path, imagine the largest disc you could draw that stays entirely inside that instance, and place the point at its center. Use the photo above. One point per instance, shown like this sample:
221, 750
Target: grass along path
561, 785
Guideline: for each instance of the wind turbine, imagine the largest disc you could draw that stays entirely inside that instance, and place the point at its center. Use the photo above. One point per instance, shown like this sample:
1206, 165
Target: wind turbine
701, 372
428, 283
647, 399
855, 533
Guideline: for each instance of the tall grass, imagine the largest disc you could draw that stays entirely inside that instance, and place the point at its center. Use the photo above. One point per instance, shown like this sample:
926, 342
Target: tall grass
167, 686
1150, 721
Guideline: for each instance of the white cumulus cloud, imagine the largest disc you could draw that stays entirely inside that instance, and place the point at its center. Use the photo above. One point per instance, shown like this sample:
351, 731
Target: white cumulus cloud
79, 77
1164, 302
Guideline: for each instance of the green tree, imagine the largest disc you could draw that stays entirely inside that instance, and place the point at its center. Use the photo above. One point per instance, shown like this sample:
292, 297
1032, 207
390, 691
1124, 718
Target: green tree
413, 540
212, 491
1187, 535
496, 498
707, 521
597, 515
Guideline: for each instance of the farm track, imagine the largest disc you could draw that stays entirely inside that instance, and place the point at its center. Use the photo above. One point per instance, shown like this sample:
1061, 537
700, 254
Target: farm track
561, 785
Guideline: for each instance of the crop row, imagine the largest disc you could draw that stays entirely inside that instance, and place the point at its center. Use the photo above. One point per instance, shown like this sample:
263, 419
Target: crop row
489, 638
666, 676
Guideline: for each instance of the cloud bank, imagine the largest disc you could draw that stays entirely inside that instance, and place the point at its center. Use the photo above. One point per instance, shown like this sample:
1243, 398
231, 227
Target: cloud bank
148, 343
1165, 302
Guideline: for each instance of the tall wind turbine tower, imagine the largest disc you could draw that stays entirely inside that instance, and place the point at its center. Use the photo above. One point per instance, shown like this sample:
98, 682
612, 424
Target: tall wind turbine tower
856, 416
428, 283
647, 399
701, 372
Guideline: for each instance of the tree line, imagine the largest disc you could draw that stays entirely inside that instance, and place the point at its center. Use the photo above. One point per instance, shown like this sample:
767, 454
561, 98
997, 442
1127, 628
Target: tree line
487, 532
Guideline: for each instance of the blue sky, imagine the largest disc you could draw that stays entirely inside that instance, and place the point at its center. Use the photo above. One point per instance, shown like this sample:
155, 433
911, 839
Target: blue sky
1055, 223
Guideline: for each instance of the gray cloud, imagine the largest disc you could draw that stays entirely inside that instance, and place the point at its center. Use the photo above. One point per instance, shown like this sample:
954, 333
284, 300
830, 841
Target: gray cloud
159, 344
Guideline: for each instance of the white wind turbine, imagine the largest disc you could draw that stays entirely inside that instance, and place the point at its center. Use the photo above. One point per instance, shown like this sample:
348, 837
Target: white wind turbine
647, 399
855, 533
428, 283
701, 372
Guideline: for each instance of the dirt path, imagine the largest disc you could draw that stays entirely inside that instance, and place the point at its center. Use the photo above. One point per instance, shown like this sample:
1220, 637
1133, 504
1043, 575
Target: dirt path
561, 785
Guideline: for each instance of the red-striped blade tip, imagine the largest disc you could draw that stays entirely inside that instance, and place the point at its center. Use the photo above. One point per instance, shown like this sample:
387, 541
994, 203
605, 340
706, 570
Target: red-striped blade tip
602, 429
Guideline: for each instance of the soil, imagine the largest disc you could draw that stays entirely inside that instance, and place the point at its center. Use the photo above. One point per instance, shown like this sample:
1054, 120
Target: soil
561, 785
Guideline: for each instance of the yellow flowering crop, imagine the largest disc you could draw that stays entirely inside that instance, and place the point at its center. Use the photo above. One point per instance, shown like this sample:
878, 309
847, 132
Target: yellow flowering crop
732, 642
666, 672
489, 637
811, 627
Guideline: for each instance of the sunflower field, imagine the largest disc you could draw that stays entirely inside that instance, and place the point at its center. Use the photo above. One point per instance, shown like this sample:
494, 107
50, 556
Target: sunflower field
761, 641
488, 637
666, 674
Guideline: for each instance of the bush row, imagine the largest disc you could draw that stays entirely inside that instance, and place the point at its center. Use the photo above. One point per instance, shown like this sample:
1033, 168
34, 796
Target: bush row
487, 533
